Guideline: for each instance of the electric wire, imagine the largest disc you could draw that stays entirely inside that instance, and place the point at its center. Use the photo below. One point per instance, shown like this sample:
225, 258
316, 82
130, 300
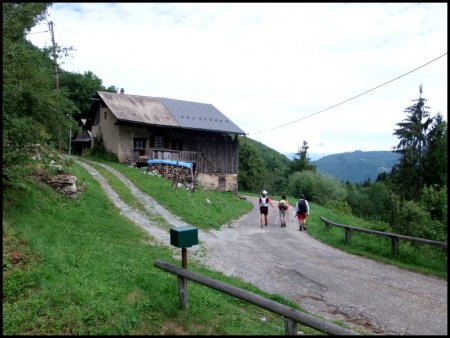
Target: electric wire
68, 56
352, 98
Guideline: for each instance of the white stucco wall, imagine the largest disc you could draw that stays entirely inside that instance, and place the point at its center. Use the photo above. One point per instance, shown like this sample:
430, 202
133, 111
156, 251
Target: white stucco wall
107, 130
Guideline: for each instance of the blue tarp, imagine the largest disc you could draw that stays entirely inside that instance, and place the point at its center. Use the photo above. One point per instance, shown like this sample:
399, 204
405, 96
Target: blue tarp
177, 163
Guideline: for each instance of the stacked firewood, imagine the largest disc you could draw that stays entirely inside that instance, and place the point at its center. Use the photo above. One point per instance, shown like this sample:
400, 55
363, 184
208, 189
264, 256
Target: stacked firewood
171, 172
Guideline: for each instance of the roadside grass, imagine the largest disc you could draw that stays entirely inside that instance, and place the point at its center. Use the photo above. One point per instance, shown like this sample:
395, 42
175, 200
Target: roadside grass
78, 267
193, 208
421, 258
125, 195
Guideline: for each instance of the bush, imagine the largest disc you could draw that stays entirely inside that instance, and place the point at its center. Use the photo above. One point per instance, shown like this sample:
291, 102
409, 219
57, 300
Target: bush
339, 206
100, 151
316, 187
435, 201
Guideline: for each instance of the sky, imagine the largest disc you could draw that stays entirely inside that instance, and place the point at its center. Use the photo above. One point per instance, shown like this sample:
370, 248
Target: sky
336, 75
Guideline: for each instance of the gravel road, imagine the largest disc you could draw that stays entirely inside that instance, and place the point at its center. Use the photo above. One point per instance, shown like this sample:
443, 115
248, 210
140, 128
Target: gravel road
376, 297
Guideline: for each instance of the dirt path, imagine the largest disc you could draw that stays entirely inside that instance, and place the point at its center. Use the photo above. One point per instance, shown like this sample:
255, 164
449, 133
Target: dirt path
377, 297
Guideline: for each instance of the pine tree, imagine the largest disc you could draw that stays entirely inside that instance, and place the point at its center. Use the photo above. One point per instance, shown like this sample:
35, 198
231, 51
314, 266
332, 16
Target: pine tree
301, 160
413, 146
436, 157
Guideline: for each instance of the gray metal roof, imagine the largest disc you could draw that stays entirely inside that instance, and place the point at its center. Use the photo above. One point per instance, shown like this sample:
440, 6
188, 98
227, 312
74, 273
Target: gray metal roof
168, 112
194, 115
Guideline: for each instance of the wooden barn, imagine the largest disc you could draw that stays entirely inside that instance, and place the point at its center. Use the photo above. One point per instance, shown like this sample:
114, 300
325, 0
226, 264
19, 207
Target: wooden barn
140, 128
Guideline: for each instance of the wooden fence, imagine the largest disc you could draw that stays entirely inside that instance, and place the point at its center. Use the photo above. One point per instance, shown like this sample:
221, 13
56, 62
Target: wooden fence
291, 315
394, 237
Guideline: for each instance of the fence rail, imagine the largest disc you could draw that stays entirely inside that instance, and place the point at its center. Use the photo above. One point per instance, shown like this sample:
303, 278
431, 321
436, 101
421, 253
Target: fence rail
291, 315
395, 238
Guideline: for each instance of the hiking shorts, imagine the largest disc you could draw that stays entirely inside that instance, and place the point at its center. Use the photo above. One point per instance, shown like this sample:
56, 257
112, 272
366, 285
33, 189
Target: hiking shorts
264, 210
301, 216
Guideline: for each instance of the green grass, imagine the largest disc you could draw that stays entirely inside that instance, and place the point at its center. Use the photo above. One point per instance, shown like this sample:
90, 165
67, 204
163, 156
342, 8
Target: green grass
192, 208
81, 268
415, 257
77, 267
421, 258
125, 195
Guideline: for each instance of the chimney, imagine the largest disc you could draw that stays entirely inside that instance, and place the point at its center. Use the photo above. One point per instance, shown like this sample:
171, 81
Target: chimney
122, 91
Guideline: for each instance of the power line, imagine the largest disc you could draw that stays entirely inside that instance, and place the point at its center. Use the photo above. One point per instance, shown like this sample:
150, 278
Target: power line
68, 55
354, 97
36, 32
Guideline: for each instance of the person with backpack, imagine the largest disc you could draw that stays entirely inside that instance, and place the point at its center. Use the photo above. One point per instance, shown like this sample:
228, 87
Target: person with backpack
302, 212
264, 201
283, 206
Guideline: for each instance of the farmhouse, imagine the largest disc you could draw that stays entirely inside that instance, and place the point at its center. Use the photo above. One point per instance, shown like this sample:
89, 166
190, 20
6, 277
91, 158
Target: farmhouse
141, 128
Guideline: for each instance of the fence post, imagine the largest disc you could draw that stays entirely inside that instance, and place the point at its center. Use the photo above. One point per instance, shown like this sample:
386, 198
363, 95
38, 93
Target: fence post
348, 234
182, 282
265, 303
394, 244
290, 327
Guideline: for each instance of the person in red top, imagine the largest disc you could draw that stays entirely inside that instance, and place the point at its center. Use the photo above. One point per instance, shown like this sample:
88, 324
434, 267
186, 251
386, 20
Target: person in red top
264, 201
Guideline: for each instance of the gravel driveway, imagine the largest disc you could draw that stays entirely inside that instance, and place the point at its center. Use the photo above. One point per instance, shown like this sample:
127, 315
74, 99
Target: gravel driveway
380, 298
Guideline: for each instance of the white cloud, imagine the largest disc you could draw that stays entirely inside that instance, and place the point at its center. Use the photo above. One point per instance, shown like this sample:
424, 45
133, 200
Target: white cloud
266, 65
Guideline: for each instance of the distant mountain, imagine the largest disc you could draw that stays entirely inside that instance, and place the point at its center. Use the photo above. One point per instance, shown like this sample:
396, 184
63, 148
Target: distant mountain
357, 166
312, 156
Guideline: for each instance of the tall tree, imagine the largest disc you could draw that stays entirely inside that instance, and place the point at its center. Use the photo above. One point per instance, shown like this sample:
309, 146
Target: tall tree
33, 111
20, 62
412, 132
301, 160
436, 157
80, 88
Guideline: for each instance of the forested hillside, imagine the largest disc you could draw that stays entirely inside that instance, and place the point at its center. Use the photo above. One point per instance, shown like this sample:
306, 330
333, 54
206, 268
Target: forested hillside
260, 167
358, 166
355, 167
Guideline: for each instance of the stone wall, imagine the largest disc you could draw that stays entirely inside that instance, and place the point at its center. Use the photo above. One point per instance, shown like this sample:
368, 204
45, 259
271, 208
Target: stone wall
219, 182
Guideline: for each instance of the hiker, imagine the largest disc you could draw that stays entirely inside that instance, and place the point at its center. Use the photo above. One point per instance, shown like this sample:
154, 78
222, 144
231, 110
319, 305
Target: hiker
283, 206
302, 212
264, 201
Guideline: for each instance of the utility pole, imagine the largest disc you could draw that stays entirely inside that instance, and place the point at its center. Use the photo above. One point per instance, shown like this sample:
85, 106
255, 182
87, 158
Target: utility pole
70, 134
50, 27
54, 56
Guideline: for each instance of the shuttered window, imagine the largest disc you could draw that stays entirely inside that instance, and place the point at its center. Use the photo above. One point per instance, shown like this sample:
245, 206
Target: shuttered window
139, 146
159, 141
139, 143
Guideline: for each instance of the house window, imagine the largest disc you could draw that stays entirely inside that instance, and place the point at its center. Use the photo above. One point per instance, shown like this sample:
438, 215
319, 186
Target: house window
105, 114
139, 145
159, 141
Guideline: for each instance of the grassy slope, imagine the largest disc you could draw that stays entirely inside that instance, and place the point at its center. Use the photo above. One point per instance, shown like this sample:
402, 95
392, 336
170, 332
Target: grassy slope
80, 268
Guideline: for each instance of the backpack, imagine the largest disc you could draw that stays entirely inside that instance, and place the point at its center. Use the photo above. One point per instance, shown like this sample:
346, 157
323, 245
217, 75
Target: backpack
282, 205
302, 208
263, 201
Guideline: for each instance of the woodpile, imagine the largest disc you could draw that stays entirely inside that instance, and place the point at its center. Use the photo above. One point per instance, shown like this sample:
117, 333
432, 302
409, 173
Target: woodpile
178, 175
